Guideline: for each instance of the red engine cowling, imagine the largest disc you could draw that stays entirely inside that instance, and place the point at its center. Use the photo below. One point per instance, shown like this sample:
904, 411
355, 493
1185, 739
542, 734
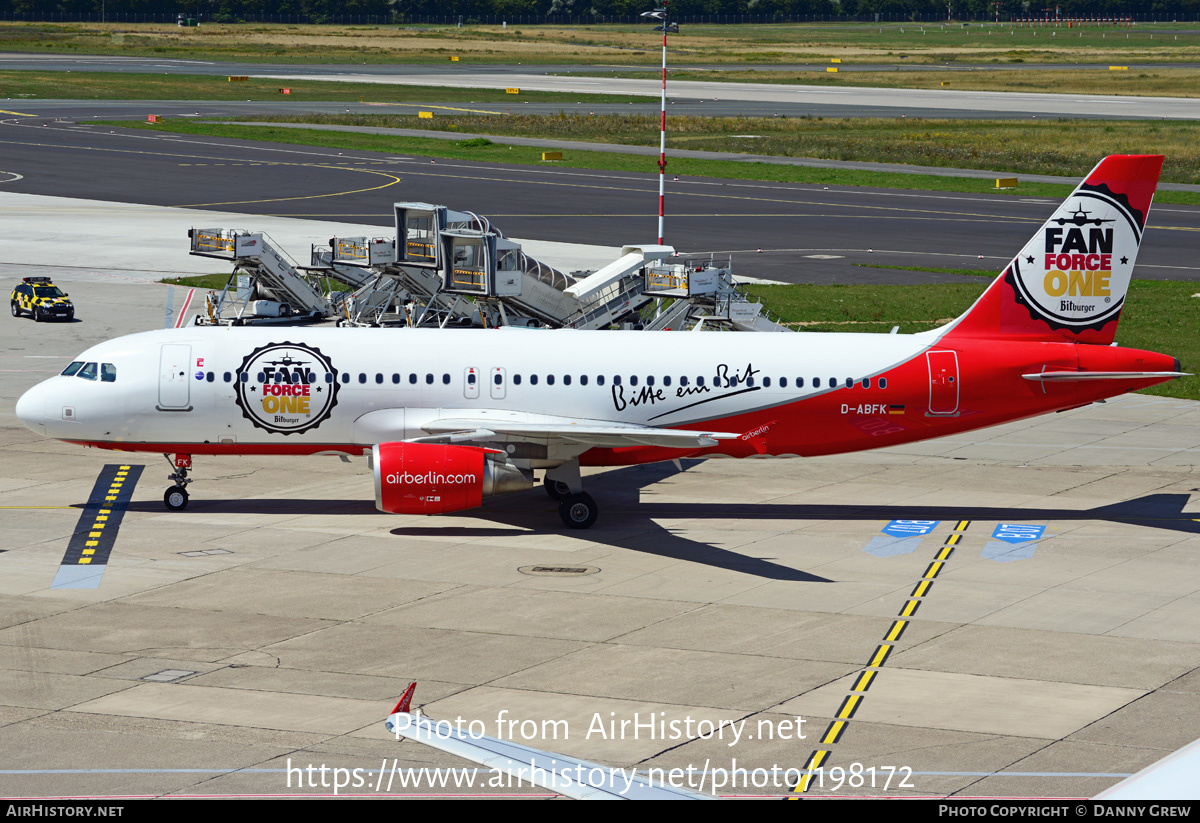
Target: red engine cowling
426, 478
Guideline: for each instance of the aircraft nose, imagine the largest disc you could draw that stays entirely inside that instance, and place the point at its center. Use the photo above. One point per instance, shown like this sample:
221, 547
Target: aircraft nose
31, 409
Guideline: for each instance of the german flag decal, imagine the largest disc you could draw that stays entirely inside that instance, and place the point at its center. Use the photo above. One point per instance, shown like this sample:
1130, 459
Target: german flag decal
896, 408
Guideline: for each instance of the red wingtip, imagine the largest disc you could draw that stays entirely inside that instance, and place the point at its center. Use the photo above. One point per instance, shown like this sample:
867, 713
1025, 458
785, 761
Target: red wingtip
406, 700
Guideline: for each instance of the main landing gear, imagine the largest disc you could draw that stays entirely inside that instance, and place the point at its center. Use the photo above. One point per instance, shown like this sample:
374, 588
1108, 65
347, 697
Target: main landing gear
575, 506
175, 498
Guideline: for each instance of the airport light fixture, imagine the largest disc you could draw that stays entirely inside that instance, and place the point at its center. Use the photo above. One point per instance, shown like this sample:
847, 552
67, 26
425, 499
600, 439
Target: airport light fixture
666, 26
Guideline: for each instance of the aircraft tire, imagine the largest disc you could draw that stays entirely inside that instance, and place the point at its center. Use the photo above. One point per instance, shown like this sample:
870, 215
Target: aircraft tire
556, 489
578, 511
175, 498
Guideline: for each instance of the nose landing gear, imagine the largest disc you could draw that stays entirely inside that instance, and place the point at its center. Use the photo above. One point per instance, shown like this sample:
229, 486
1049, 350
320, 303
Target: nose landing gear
175, 498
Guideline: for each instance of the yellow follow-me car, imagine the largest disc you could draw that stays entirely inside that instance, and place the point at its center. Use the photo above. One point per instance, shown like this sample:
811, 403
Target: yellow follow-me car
42, 300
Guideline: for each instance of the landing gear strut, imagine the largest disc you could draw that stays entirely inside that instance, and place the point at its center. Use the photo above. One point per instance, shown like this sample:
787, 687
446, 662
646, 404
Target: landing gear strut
576, 507
175, 498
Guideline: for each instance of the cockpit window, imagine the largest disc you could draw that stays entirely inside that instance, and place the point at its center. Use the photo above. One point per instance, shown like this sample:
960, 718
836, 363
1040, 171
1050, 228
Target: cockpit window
108, 373
71, 369
88, 372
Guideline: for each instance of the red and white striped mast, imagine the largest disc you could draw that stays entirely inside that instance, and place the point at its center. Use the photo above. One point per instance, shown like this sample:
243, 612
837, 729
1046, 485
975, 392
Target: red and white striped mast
661, 15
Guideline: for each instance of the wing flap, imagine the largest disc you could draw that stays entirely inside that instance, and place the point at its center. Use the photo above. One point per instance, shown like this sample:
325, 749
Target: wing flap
584, 432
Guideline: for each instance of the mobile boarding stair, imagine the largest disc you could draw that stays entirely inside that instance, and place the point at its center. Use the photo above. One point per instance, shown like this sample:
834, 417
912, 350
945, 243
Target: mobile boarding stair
279, 290
448, 267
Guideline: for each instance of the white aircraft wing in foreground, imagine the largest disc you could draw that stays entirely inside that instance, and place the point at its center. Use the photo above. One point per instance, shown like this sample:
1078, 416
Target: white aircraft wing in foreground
568, 776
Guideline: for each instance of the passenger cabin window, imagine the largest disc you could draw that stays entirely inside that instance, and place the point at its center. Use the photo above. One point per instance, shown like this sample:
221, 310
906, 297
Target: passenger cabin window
445, 379
516, 379
866, 383
428, 379
378, 378
816, 382
396, 378
549, 380
883, 382
345, 377
227, 377
112, 377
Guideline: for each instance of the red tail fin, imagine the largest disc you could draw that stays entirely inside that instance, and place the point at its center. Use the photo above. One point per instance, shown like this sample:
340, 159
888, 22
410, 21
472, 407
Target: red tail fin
1070, 280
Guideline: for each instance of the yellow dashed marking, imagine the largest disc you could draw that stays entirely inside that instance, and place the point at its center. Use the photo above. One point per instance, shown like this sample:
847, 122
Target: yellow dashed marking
962, 525
834, 733
953, 539
864, 682
881, 654
921, 588
814, 763
945, 553
849, 706
910, 608
933, 570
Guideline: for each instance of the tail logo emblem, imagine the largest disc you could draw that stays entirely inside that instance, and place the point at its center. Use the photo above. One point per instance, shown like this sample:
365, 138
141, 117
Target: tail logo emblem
1076, 271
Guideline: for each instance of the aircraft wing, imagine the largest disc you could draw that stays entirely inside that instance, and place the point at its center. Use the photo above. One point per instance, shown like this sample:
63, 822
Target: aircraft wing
484, 424
578, 779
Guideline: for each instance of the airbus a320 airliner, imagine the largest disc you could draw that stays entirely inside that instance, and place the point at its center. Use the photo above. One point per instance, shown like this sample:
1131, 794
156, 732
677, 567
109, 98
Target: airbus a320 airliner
448, 417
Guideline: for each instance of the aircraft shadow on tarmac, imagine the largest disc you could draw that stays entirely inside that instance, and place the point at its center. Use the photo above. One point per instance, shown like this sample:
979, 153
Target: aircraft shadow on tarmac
626, 519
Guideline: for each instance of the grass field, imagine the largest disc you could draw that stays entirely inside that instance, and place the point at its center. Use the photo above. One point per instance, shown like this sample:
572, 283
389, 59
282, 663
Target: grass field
1055, 147
80, 85
495, 153
631, 45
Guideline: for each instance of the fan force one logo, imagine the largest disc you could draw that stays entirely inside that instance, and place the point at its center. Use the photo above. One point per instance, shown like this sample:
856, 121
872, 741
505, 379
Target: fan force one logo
286, 387
1075, 273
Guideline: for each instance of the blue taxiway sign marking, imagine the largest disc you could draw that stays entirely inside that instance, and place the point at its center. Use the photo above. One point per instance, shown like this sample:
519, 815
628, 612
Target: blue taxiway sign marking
900, 537
910, 528
1012, 541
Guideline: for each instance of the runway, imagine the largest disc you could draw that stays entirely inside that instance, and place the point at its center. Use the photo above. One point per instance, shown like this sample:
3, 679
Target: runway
806, 233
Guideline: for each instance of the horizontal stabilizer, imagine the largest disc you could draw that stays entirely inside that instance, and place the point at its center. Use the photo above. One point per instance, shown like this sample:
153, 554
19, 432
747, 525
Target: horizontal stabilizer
1068, 376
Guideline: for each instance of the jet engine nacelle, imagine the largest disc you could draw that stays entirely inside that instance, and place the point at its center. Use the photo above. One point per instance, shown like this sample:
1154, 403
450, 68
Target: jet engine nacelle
429, 478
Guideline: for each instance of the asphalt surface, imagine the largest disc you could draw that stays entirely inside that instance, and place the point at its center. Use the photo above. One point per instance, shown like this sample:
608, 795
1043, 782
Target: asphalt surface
806, 233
